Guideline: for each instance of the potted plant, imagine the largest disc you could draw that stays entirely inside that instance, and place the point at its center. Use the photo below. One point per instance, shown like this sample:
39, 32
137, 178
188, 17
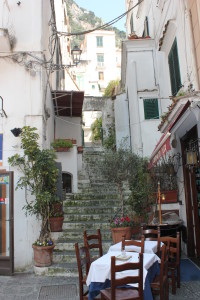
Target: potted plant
165, 173
141, 198
117, 166
121, 226
39, 178
62, 145
80, 149
56, 215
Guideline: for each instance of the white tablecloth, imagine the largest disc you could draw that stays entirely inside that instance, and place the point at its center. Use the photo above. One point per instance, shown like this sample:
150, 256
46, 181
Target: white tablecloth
100, 269
149, 247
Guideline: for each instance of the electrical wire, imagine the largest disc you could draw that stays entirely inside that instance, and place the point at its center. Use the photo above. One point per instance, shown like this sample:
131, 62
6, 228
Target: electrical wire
108, 24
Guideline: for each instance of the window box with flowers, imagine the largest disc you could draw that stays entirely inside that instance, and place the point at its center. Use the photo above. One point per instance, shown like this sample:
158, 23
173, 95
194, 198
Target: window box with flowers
62, 145
121, 226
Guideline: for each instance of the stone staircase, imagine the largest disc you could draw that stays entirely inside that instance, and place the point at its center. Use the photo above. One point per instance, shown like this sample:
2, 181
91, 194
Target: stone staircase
89, 209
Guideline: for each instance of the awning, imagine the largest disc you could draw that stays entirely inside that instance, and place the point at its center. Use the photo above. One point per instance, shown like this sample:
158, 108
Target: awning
161, 149
164, 143
68, 103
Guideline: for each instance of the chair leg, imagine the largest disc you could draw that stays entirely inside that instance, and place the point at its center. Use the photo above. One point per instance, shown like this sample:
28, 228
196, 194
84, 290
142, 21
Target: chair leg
173, 282
178, 277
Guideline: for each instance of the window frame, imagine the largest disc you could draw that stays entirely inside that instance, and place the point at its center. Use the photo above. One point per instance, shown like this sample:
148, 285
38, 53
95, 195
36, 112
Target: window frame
174, 68
99, 41
150, 115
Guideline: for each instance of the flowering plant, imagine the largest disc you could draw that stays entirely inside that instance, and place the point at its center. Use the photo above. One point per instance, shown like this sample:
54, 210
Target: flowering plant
48, 242
121, 222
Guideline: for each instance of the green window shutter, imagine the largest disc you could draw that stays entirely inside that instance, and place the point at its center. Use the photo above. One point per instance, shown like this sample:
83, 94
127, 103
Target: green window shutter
175, 76
151, 109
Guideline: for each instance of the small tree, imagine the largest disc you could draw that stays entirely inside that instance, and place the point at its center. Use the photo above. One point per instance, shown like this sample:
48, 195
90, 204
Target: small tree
141, 186
96, 128
117, 166
39, 177
110, 89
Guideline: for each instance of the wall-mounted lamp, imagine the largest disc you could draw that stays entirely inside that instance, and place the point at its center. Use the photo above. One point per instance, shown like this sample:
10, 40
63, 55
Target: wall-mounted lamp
76, 55
16, 131
192, 154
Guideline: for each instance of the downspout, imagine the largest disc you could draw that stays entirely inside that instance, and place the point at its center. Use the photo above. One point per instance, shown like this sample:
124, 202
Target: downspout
193, 50
135, 88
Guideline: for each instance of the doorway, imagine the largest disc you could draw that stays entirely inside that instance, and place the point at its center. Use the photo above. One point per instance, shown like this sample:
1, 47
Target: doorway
67, 182
192, 192
6, 224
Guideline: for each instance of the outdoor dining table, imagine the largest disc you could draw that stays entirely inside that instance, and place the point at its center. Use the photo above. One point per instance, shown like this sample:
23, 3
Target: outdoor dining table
149, 247
99, 276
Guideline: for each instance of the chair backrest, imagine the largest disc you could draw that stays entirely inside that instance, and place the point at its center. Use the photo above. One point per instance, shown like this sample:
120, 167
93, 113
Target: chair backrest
164, 263
173, 247
129, 279
151, 234
139, 244
93, 242
83, 263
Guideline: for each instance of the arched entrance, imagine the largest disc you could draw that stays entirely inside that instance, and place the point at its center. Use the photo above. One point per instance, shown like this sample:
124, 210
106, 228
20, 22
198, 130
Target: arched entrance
67, 182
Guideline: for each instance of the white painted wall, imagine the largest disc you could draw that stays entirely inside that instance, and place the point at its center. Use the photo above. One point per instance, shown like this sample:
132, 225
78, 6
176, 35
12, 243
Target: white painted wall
122, 119
110, 68
26, 95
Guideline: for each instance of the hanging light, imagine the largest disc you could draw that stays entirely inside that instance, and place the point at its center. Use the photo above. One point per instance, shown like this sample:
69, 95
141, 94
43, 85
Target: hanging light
191, 157
76, 55
192, 154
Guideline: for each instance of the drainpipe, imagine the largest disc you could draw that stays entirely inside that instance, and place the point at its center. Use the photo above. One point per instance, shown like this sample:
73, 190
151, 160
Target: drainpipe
193, 50
137, 122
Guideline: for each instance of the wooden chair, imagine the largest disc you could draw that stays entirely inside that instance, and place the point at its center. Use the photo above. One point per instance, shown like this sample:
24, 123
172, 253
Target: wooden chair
93, 242
173, 248
139, 244
160, 285
151, 234
83, 263
113, 292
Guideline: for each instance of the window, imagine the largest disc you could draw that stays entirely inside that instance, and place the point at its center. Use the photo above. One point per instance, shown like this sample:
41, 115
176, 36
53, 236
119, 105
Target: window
93, 86
101, 76
151, 109
100, 60
174, 70
99, 40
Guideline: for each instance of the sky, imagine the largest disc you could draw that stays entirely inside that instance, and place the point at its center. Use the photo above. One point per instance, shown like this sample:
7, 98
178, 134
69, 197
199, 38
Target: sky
106, 10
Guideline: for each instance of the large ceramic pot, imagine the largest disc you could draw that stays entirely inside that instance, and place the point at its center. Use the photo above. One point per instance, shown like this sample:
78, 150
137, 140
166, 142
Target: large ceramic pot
118, 232
43, 255
56, 223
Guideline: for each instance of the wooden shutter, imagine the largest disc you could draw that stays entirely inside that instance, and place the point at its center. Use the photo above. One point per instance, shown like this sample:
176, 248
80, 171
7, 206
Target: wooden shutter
174, 70
151, 109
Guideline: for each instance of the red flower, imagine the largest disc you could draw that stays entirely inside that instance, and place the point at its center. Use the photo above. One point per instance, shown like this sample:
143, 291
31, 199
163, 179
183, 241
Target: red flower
127, 219
122, 219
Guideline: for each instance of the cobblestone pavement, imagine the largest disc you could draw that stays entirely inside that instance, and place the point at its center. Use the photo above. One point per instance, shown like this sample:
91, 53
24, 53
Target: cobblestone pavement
27, 286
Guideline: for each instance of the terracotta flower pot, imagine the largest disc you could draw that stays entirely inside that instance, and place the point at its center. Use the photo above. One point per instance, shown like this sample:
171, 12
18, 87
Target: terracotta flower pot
118, 232
43, 255
62, 149
56, 223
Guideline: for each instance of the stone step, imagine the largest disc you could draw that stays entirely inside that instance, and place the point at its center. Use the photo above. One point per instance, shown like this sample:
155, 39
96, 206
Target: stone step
86, 225
110, 209
94, 217
90, 196
69, 246
77, 234
63, 269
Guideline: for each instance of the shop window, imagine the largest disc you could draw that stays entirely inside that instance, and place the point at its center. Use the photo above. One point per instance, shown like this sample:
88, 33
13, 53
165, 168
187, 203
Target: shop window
151, 109
174, 69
